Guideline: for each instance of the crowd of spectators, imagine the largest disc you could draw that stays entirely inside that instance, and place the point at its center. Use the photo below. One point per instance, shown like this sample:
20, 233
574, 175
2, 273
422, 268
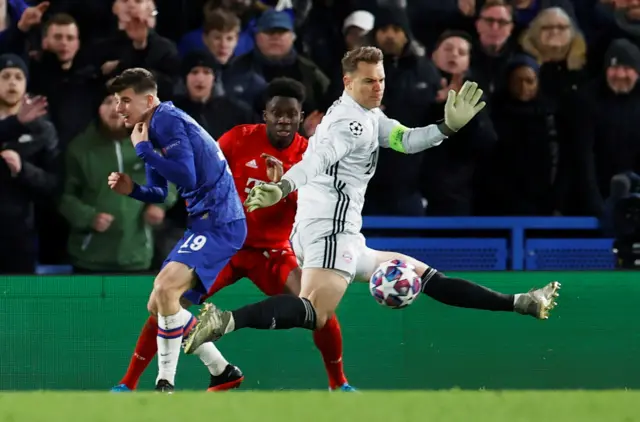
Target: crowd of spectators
558, 136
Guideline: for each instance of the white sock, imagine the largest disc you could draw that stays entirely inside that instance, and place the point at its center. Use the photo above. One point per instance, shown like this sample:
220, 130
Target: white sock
212, 358
170, 330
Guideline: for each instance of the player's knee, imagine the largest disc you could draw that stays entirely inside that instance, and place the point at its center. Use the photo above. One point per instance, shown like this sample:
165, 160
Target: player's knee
152, 306
322, 317
324, 290
164, 291
322, 314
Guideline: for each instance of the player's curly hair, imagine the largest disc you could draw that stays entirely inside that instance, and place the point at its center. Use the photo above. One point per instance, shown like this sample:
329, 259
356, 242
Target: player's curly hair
285, 87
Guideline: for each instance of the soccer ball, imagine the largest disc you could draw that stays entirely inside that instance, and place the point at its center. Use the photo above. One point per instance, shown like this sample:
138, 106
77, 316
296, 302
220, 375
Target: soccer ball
395, 284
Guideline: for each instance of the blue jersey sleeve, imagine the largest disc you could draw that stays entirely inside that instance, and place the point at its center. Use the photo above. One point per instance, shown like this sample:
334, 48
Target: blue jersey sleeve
155, 191
177, 165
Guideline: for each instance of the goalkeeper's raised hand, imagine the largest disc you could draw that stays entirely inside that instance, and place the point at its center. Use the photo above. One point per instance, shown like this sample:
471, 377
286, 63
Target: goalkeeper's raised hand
461, 107
263, 196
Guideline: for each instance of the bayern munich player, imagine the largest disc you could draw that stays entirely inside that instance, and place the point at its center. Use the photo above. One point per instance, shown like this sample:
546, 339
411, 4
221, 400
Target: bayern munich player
331, 181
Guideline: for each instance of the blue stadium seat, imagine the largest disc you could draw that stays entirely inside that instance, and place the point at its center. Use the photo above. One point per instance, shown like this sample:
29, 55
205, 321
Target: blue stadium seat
53, 269
448, 254
569, 254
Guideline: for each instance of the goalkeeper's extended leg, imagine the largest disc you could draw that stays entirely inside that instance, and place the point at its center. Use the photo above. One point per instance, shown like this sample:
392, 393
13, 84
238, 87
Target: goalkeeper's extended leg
467, 294
322, 290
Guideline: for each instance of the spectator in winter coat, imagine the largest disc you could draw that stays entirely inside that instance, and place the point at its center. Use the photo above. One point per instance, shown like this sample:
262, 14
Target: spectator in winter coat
109, 232
28, 166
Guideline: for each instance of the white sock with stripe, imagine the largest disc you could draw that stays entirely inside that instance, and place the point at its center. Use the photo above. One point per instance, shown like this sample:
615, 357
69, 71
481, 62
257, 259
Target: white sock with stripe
170, 332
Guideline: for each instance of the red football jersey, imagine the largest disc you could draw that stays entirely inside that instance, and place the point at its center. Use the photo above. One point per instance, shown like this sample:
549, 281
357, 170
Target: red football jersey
268, 228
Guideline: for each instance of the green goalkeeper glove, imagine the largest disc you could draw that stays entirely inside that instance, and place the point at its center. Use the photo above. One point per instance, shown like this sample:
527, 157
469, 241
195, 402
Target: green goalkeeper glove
460, 108
266, 195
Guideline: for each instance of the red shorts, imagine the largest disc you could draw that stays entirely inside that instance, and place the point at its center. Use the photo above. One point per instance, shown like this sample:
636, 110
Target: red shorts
268, 269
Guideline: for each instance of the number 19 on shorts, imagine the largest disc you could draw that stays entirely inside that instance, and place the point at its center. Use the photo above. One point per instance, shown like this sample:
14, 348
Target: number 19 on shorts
193, 244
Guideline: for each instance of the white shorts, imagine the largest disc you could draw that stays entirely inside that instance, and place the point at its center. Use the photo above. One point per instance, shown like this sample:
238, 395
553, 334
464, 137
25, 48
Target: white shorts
316, 245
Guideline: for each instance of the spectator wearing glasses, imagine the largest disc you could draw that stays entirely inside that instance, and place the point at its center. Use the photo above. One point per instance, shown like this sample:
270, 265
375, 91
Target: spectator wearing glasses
494, 45
560, 49
525, 11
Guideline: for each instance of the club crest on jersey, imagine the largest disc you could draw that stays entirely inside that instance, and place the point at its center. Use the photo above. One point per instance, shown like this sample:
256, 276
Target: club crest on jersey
356, 128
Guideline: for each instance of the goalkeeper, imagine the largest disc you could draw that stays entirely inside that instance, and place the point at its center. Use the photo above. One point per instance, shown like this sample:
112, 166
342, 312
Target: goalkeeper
331, 181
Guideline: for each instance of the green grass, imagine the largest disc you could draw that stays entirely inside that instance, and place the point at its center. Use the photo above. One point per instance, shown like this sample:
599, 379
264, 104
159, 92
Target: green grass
312, 406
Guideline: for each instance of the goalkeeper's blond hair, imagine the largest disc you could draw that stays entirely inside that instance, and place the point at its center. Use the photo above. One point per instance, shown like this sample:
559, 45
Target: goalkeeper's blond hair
368, 54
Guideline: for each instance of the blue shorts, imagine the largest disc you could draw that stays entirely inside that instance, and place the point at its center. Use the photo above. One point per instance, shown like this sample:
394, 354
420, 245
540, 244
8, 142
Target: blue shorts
207, 248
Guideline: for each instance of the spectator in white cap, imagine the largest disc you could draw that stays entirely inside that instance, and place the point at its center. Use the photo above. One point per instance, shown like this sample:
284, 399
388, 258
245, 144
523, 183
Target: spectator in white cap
356, 26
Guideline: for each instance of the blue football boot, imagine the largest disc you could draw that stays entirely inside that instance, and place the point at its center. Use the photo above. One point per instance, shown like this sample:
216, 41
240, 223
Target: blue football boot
120, 388
346, 388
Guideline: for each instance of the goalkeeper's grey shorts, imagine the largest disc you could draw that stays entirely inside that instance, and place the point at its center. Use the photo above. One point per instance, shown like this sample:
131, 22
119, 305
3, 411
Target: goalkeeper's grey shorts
317, 245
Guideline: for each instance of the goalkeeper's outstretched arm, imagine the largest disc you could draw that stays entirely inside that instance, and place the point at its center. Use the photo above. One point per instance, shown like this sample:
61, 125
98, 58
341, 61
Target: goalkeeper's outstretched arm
392, 134
459, 109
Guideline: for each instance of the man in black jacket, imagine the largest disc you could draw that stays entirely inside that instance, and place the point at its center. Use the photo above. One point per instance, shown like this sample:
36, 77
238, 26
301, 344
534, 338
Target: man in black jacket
602, 122
215, 114
28, 162
62, 74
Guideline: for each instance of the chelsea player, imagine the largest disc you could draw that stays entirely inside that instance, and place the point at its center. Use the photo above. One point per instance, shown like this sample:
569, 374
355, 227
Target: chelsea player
176, 149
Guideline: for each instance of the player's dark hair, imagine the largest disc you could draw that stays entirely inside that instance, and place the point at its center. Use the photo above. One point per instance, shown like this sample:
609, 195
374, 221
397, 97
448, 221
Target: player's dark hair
138, 79
285, 87
367, 54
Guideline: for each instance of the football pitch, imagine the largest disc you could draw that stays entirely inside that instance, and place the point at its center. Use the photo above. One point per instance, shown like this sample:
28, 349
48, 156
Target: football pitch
311, 406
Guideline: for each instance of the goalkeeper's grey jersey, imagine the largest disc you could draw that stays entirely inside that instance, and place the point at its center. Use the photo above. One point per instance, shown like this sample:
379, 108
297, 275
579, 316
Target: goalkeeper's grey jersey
339, 162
